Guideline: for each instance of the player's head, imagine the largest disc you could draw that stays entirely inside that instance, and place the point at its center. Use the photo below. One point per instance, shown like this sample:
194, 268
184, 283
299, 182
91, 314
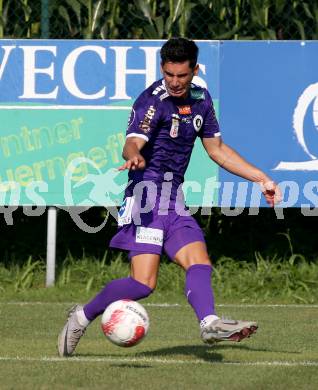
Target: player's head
179, 65
179, 50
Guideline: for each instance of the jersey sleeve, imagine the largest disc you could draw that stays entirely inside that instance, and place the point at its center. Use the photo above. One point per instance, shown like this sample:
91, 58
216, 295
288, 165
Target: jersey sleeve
210, 127
143, 118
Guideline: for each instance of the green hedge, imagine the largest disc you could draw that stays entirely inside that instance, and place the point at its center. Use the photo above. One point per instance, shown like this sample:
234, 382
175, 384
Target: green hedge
120, 19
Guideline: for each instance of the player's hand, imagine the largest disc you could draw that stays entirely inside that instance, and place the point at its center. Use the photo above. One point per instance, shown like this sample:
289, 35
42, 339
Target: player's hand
272, 192
134, 163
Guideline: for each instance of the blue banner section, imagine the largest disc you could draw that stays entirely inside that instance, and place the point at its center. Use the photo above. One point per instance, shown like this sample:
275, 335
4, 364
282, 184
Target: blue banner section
269, 113
88, 72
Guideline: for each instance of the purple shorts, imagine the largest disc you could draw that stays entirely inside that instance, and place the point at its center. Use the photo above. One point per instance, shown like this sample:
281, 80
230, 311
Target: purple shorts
155, 230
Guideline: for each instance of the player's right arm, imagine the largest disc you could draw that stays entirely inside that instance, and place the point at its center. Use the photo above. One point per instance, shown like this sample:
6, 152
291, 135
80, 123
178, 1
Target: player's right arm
141, 126
131, 153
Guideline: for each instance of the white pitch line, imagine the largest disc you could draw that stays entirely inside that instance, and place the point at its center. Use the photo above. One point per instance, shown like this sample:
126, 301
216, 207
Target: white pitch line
61, 107
145, 360
171, 305
279, 305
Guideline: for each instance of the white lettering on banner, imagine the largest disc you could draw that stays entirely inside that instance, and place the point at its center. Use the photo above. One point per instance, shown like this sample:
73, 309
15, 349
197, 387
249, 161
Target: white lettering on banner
149, 236
309, 95
7, 51
150, 70
69, 72
29, 90
44, 81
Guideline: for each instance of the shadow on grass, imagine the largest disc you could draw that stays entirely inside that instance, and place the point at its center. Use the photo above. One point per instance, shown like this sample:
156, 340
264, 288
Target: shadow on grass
179, 352
202, 352
186, 353
126, 365
253, 349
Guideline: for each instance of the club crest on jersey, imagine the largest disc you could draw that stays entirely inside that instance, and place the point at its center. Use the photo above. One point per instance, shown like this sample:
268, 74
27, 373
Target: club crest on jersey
144, 125
184, 110
174, 126
197, 122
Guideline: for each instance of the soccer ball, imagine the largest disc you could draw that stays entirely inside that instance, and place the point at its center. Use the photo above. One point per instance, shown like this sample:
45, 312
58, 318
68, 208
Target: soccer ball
125, 323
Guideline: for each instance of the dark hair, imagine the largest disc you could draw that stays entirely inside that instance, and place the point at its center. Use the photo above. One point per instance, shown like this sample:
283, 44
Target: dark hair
179, 50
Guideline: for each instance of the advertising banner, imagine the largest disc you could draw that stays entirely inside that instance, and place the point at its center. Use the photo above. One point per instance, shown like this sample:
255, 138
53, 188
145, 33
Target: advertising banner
269, 113
64, 107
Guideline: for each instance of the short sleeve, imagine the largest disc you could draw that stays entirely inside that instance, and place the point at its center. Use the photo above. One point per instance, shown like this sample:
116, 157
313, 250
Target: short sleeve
210, 127
143, 118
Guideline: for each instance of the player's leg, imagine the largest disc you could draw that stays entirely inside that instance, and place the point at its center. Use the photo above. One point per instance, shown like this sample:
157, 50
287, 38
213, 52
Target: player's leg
140, 284
144, 269
194, 258
145, 257
185, 244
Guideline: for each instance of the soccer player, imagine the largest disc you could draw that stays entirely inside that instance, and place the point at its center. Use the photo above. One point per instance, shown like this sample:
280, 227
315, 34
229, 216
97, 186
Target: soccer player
165, 121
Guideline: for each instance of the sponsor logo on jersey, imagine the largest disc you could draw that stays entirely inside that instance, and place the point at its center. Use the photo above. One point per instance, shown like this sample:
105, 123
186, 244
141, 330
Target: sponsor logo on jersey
186, 119
184, 110
174, 126
144, 125
197, 94
197, 122
149, 236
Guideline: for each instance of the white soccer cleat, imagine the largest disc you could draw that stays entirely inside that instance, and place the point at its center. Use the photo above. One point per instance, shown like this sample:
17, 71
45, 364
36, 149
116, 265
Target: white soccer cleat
226, 330
71, 333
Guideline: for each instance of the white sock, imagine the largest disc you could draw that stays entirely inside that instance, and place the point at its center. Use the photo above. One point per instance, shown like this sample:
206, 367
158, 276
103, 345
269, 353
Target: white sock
83, 321
208, 319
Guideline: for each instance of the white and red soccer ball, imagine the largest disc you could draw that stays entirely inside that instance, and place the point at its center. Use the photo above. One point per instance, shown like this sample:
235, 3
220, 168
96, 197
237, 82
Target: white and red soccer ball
125, 323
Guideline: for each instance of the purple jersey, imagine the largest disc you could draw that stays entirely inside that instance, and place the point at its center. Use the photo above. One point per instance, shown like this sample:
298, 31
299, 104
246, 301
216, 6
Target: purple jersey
170, 126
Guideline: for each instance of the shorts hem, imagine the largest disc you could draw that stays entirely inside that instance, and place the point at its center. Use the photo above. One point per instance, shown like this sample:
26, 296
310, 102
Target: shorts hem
199, 237
136, 249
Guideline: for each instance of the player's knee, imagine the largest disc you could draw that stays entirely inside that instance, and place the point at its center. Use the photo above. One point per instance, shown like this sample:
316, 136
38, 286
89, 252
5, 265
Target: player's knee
192, 254
150, 282
198, 261
193, 260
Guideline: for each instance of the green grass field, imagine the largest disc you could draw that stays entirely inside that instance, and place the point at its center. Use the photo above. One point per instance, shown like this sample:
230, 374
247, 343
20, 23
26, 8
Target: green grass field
282, 355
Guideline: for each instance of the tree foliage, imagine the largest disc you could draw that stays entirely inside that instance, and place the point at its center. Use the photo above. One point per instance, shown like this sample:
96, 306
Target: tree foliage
155, 19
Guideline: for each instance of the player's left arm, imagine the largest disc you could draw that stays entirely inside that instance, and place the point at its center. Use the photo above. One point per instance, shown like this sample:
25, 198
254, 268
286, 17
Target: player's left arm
229, 159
